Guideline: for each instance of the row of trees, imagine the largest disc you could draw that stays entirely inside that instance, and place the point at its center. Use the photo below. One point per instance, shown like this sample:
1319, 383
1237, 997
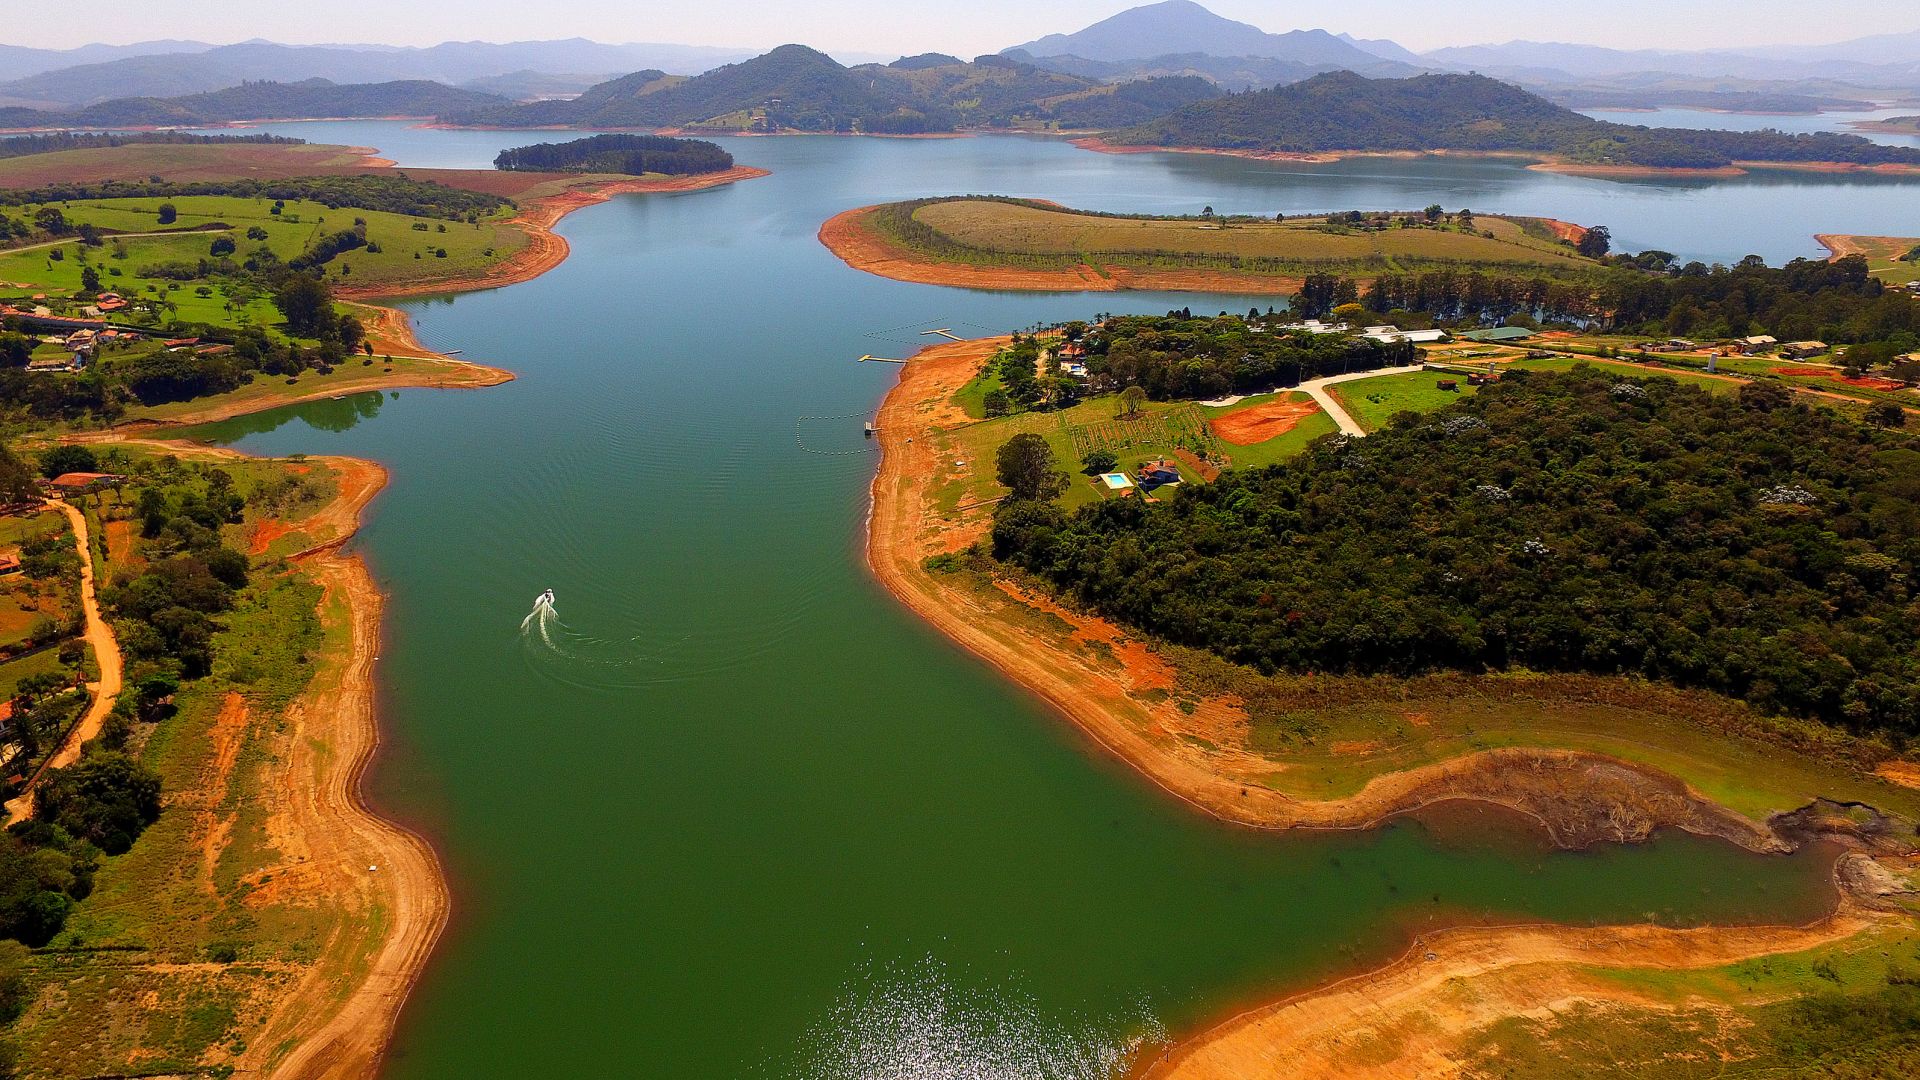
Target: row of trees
1807, 299
393, 194
1178, 356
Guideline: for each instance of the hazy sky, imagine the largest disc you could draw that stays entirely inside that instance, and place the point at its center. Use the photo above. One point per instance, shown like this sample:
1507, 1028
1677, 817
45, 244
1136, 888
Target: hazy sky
965, 27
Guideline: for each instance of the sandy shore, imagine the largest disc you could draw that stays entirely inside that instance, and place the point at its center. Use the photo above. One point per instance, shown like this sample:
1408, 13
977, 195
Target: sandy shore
1541, 163
847, 236
1450, 983
337, 1031
1407, 1020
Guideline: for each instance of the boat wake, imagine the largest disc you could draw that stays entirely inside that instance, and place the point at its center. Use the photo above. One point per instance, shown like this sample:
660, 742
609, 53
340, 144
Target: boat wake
569, 656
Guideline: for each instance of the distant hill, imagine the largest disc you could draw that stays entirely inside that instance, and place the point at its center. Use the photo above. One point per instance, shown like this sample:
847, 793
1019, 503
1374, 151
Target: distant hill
1347, 112
794, 88
1890, 61
19, 62
176, 74
1231, 73
264, 101
1181, 26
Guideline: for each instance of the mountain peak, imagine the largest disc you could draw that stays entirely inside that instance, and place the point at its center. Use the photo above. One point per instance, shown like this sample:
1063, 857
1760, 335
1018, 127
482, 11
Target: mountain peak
1182, 26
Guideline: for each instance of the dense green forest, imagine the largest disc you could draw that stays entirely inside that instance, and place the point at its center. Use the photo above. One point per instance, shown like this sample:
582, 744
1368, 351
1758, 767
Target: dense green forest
633, 155
1807, 299
309, 98
799, 89
1177, 356
24, 145
1344, 111
1560, 522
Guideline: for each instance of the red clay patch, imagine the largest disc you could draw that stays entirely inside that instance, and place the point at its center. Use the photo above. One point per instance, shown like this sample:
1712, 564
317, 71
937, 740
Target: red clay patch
1262, 422
1864, 382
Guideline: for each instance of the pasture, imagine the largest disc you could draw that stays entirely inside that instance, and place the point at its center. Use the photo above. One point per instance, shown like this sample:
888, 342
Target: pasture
1025, 229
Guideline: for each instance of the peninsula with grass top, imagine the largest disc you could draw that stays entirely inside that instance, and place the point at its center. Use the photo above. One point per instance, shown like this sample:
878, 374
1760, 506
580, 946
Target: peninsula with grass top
1009, 243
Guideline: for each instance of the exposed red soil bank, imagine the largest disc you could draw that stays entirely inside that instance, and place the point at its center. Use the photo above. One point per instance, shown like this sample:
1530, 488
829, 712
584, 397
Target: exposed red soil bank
1262, 422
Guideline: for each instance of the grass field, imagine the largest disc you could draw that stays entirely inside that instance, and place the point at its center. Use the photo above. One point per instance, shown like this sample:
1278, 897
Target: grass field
1638, 371
408, 245
1164, 430
1334, 752
1373, 402
1021, 229
1884, 255
184, 163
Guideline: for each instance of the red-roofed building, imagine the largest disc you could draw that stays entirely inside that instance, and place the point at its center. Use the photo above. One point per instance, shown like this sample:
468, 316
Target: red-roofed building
80, 483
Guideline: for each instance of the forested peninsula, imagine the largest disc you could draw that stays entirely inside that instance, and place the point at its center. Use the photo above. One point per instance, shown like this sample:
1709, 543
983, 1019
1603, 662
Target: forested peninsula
1341, 112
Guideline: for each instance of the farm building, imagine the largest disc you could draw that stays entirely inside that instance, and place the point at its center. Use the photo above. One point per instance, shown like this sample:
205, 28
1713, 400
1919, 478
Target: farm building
1159, 472
1800, 350
1499, 334
1391, 334
1315, 326
1756, 343
80, 483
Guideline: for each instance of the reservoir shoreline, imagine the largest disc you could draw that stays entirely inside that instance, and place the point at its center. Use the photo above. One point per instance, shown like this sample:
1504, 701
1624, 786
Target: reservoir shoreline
904, 529
370, 861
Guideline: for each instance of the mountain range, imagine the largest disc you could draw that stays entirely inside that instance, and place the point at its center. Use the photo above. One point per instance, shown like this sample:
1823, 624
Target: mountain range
795, 88
1061, 79
1346, 112
263, 101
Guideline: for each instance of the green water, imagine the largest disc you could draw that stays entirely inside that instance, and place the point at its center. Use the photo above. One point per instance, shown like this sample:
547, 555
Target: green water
734, 813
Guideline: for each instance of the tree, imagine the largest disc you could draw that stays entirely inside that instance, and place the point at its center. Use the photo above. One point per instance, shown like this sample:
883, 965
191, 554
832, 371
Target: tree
1595, 242
997, 403
306, 302
68, 458
222, 247
16, 480
89, 280
1025, 465
1764, 396
1435, 211
1207, 212
1130, 401
1886, 414
15, 350
168, 213
107, 798
1099, 461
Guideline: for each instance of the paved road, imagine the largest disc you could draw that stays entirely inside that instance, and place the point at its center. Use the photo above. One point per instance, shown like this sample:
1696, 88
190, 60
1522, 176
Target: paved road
1316, 388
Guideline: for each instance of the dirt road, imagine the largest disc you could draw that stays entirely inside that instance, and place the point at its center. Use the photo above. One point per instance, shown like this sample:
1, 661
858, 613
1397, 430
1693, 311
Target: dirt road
106, 652
1317, 389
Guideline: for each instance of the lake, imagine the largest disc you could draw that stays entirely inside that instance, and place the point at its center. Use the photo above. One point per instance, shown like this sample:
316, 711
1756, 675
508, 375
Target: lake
731, 812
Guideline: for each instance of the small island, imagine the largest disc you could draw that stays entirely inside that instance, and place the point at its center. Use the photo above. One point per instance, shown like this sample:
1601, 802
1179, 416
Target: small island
1007, 243
627, 155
